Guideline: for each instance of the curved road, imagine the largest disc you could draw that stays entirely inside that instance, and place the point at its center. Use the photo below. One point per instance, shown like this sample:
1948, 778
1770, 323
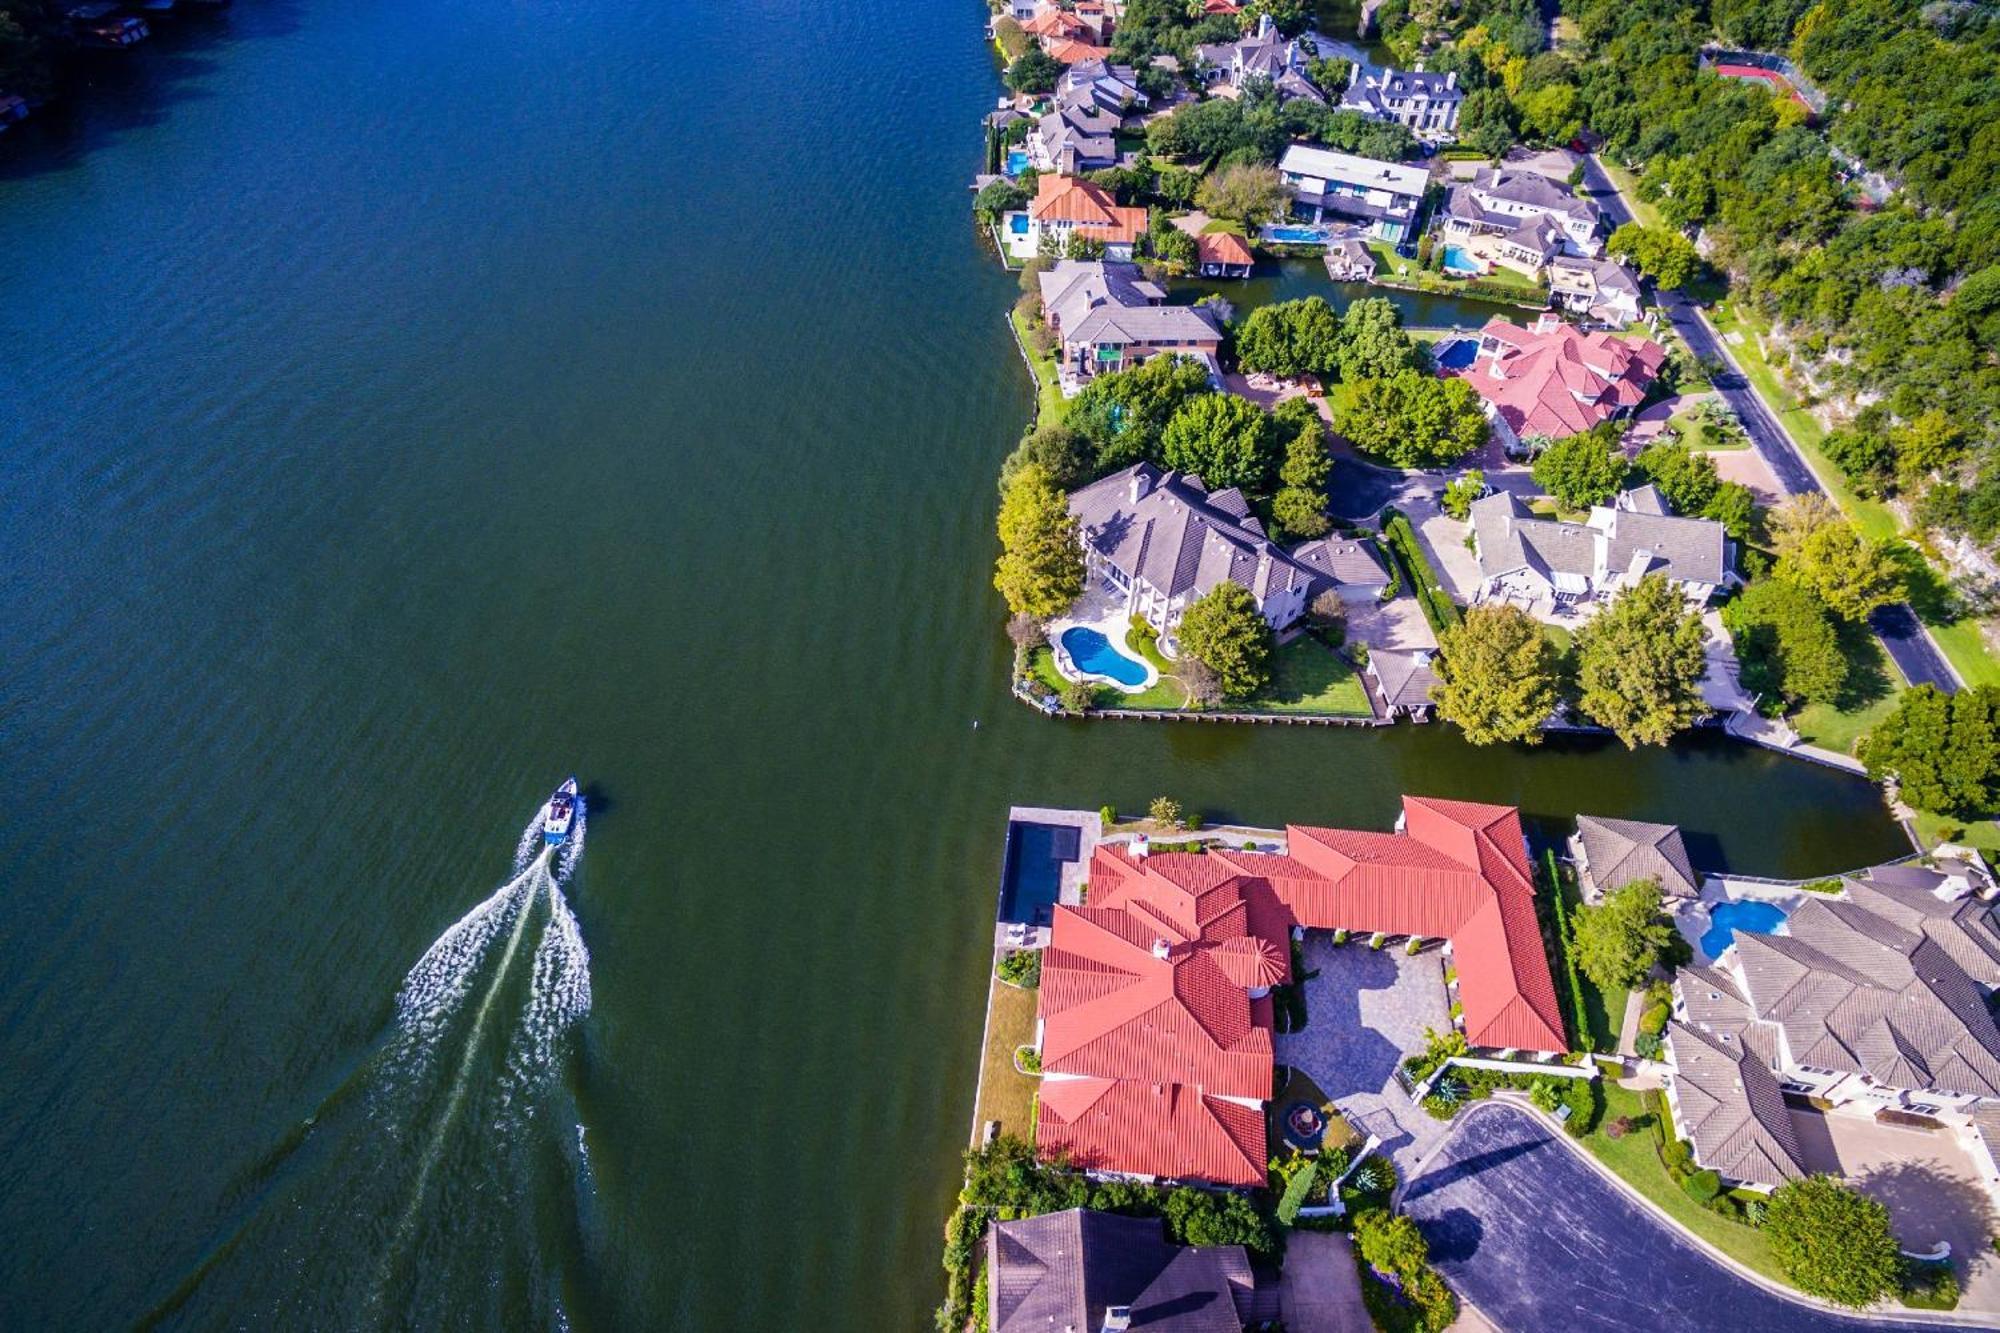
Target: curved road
1536, 1238
1914, 651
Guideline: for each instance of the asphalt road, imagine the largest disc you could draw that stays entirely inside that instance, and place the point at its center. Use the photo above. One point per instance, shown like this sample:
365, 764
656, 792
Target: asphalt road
1912, 649
1537, 1239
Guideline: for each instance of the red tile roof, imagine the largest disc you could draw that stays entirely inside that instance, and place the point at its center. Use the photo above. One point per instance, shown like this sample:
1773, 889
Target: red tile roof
1553, 381
1090, 207
1074, 51
1222, 247
1055, 23
1151, 1129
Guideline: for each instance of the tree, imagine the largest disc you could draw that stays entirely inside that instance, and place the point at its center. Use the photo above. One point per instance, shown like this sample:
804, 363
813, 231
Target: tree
1291, 338
1662, 254
1851, 574
1834, 1242
1687, 479
1165, 810
1786, 640
1225, 632
1221, 438
1247, 193
1550, 113
1176, 249
1124, 413
1640, 663
1391, 1243
1459, 496
1412, 419
1372, 341
1499, 675
1041, 555
1582, 470
1942, 750
1034, 71
1299, 508
1064, 454
997, 197
1619, 941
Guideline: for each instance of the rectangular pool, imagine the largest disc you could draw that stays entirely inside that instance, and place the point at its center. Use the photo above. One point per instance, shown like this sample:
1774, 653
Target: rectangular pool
1455, 353
1017, 161
1031, 877
1295, 235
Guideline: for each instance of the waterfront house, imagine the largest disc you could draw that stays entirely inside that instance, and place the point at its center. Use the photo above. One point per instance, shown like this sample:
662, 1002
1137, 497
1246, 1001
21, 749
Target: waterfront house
1264, 56
1383, 196
1428, 104
1222, 254
1091, 1271
1066, 206
1875, 1002
1161, 540
1602, 289
1109, 316
1405, 679
1552, 566
1550, 381
1611, 853
1518, 219
1113, 88
1077, 138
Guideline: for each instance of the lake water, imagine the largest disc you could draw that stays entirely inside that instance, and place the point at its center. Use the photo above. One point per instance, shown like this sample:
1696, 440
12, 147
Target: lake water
408, 406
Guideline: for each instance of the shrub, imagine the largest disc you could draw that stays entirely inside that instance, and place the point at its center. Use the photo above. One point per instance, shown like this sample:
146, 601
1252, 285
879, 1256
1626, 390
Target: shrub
1677, 1156
1192, 823
1340, 937
1703, 1186
1833, 1241
1648, 1046
1079, 696
1619, 1127
1021, 967
1822, 886
1930, 1286
1165, 810
1654, 1021
1028, 1058
1377, 940
1109, 814
1416, 943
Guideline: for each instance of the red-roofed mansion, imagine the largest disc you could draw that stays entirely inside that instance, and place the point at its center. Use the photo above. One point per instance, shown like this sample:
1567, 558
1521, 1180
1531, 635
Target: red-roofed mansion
1550, 382
1156, 1014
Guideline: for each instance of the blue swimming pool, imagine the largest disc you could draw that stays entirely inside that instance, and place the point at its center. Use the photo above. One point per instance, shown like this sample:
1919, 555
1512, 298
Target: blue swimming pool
1454, 353
1017, 161
1094, 653
1031, 875
1295, 235
1725, 919
1457, 261
1017, 223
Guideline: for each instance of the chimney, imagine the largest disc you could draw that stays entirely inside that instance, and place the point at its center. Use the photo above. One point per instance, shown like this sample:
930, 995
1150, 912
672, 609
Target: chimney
1451, 80
1140, 485
1264, 25
1162, 950
1117, 1318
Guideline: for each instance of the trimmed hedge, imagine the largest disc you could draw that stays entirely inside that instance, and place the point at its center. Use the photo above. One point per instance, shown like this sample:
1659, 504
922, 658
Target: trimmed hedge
1400, 537
1564, 942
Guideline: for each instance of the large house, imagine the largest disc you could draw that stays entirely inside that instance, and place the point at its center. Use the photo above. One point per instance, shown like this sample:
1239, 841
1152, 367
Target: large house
1114, 88
1264, 56
1518, 219
1427, 103
1089, 1271
1874, 1001
1077, 138
1551, 381
1382, 195
1156, 1015
1552, 565
1065, 206
1160, 540
1109, 316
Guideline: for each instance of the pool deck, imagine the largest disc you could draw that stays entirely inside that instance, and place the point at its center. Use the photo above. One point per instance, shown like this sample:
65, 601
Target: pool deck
1099, 611
1090, 831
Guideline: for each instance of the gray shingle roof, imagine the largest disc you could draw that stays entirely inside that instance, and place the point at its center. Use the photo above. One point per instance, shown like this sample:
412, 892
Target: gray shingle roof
1533, 190
1059, 1271
1406, 677
1731, 1107
1093, 302
1619, 851
1695, 549
1510, 538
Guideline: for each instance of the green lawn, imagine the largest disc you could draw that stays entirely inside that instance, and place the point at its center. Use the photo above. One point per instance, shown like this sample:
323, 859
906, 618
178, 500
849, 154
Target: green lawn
1699, 437
1005, 1093
1216, 226
1872, 686
1309, 677
1634, 1158
1981, 833
1050, 405
1164, 693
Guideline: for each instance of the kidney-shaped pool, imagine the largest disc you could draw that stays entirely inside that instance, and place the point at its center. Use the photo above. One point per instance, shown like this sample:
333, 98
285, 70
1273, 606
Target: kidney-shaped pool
1096, 655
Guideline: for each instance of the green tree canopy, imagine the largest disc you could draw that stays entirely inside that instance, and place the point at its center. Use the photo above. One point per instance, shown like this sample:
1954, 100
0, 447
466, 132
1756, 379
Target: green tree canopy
1221, 438
1662, 254
1299, 507
1412, 419
1619, 940
1942, 750
1176, 249
1372, 341
1248, 193
1124, 413
1061, 452
997, 197
1787, 643
1828, 555
1582, 470
1291, 338
1034, 71
1041, 553
1226, 633
1834, 1242
1500, 676
1640, 663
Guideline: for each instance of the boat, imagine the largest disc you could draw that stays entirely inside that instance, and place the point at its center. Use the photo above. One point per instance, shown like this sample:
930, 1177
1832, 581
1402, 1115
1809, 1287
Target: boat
559, 815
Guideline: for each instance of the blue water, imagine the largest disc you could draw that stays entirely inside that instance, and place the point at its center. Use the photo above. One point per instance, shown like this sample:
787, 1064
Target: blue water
1455, 354
1296, 235
1018, 224
1092, 652
1457, 261
1017, 161
1725, 919
1031, 875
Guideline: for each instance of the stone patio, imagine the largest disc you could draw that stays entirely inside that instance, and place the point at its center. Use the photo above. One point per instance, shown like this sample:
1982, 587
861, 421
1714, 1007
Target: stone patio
1365, 1011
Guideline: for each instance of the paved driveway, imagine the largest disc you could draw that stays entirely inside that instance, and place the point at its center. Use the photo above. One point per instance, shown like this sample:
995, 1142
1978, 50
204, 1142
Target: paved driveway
1537, 1239
1365, 1011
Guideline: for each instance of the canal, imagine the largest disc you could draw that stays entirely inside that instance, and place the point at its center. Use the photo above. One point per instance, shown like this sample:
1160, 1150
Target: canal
406, 406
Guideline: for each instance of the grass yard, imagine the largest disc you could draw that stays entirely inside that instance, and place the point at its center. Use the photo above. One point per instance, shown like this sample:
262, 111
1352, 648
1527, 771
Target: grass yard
1050, 405
1870, 694
1559, 636
1164, 693
1636, 1161
1981, 833
1699, 437
1006, 1094
1309, 677
1217, 226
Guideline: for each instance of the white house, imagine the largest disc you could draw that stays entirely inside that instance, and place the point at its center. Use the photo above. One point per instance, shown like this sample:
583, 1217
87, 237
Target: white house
1383, 195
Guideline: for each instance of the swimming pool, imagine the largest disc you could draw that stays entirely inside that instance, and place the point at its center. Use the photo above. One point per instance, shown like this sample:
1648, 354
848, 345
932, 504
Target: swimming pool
1457, 261
1098, 656
1295, 235
1031, 875
1454, 353
1725, 919
1017, 223
1017, 161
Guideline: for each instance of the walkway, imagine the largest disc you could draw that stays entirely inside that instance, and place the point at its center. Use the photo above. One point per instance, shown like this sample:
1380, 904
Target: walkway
1536, 1235
1903, 635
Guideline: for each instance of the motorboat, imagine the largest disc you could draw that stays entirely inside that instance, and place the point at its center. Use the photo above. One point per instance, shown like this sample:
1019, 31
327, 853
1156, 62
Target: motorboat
559, 815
